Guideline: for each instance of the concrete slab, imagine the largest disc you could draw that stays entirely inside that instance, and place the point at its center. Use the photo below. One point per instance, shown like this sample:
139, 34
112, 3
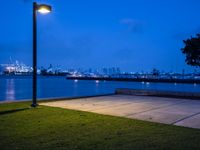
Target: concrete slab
192, 122
158, 116
170, 114
181, 112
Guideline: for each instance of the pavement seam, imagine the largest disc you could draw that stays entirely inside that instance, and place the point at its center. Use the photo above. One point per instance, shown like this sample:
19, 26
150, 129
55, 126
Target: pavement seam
79, 108
190, 116
156, 108
116, 106
105, 107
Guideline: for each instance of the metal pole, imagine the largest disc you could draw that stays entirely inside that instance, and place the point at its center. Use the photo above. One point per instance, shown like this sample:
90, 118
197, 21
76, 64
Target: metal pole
34, 98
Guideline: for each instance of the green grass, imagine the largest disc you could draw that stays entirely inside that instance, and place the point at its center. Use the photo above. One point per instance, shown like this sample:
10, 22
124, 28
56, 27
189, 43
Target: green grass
43, 128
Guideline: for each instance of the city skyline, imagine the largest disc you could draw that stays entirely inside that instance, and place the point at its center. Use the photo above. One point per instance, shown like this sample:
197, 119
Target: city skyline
19, 66
134, 36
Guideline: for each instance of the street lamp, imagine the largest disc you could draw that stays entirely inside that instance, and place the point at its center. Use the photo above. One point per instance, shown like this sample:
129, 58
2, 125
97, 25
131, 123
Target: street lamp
44, 9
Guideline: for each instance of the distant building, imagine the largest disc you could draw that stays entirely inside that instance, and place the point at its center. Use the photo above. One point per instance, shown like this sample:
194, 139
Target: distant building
15, 68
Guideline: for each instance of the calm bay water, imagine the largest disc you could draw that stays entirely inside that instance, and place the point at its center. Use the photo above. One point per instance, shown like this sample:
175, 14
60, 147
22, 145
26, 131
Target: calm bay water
20, 87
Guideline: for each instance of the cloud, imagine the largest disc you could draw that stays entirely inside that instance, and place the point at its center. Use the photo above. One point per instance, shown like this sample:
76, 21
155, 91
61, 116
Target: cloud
134, 26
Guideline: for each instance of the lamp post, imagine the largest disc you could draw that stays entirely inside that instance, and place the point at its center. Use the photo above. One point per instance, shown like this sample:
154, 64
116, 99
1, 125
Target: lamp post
44, 9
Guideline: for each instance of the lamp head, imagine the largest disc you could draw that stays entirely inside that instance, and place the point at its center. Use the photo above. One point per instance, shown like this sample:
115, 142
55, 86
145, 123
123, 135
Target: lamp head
43, 8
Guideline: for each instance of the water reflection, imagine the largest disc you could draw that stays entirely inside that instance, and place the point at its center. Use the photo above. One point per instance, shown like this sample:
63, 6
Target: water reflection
10, 89
18, 88
75, 87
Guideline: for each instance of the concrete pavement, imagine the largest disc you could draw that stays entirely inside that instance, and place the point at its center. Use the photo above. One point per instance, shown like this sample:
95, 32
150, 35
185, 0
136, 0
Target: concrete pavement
180, 112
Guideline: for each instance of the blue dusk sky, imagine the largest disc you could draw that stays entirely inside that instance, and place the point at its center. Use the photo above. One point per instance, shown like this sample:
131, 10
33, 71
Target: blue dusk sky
134, 35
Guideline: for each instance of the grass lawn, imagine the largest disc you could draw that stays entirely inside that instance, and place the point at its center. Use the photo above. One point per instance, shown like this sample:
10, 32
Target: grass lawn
44, 127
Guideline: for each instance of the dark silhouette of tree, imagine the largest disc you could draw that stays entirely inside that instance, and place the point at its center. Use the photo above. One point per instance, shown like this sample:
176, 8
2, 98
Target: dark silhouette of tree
192, 51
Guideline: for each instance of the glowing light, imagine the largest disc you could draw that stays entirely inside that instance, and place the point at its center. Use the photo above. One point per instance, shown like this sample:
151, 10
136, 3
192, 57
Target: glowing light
75, 80
97, 81
44, 9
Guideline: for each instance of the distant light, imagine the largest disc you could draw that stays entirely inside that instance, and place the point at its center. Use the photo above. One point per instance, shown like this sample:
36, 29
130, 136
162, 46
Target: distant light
44, 9
195, 84
97, 81
147, 83
76, 81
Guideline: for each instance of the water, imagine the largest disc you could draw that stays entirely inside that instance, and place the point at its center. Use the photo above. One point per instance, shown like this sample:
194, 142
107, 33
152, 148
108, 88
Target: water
20, 87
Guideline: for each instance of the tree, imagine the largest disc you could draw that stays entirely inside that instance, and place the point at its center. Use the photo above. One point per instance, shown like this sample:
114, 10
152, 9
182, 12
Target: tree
192, 51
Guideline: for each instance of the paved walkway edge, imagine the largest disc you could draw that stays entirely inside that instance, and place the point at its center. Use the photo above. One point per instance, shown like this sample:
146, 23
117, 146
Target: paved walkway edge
159, 93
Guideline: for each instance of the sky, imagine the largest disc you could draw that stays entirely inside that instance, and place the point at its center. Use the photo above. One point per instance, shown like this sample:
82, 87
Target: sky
135, 35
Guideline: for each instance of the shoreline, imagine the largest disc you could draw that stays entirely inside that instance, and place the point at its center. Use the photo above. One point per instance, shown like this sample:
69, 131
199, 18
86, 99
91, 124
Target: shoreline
121, 91
54, 98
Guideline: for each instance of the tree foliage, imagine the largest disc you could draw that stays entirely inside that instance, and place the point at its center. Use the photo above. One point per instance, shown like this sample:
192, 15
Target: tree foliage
192, 51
